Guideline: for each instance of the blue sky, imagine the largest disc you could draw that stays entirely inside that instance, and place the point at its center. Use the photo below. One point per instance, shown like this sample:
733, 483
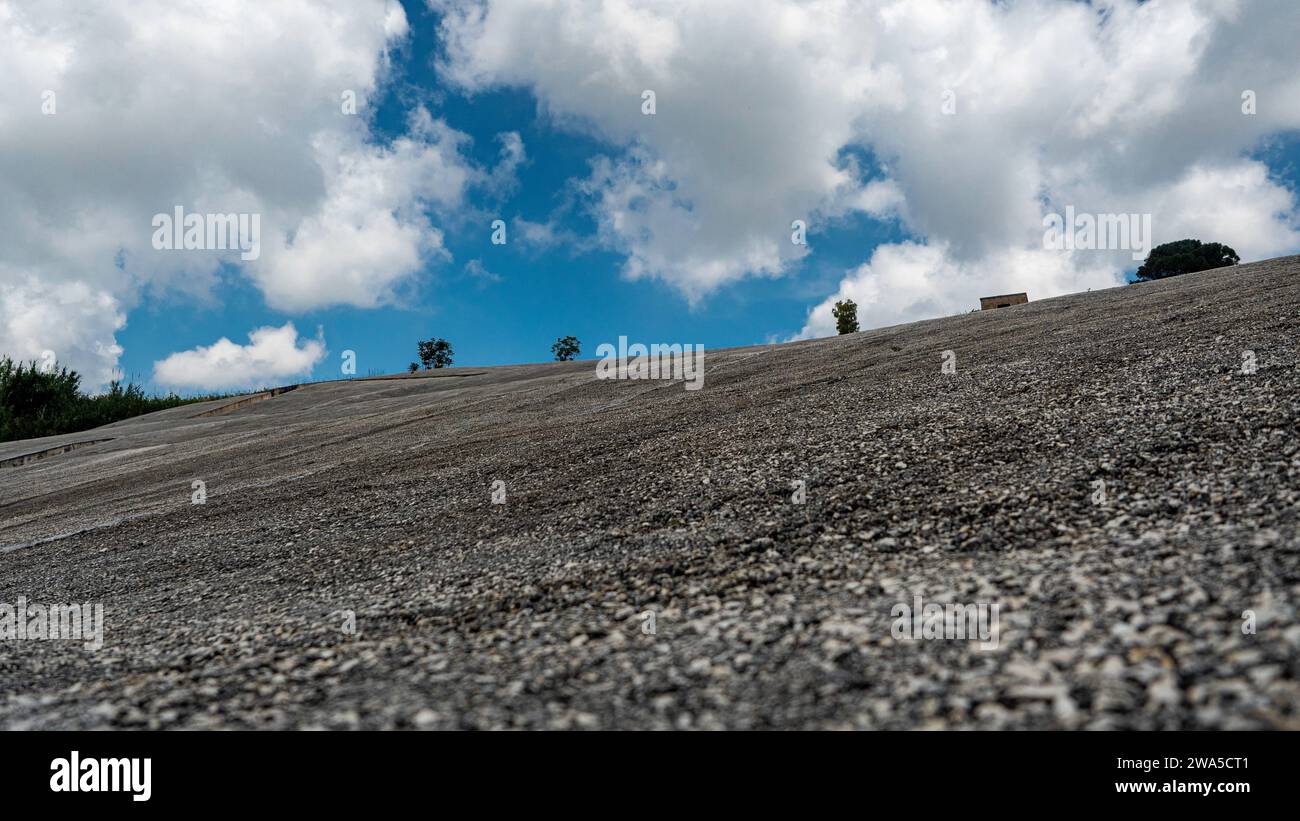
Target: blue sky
540, 296
672, 227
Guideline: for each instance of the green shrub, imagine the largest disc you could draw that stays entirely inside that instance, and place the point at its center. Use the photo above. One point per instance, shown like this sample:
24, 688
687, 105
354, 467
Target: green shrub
435, 353
566, 348
846, 316
1186, 256
36, 402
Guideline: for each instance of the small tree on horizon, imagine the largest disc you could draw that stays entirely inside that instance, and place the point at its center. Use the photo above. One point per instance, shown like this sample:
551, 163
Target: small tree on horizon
566, 348
435, 353
846, 316
1186, 256
413, 367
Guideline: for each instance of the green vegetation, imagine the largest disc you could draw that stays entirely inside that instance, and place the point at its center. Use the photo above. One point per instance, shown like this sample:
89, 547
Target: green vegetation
566, 348
1186, 256
37, 401
435, 353
846, 316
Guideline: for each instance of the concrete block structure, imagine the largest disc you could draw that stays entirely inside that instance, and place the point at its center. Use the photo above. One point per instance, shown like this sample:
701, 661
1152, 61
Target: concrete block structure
987, 302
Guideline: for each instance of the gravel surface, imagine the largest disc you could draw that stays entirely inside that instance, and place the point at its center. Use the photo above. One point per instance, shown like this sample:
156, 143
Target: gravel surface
1099, 467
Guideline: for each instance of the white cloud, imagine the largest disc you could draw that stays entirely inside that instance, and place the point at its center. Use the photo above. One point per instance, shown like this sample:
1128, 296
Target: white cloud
543, 237
1235, 202
1113, 106
908, 281
66, 318
503, 180
233, 107
737, 150
371, 233
479, 272
273, 355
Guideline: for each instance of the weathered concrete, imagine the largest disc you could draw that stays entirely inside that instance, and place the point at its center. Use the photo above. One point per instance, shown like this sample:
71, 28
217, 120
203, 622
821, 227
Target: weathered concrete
1003, 301
1122, 609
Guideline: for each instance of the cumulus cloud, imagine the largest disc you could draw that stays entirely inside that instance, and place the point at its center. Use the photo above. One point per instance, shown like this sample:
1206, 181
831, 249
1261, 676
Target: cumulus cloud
982, 117
910, 280
64, 319
271, 356
736, 150
115, 112
371, 232
767, 111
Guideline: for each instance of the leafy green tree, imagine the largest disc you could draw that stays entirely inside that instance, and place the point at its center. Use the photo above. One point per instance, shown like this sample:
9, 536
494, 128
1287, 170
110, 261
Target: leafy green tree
34, 401
566, 348
37, 402
846, 316
1186, 256
413, 367
435, 353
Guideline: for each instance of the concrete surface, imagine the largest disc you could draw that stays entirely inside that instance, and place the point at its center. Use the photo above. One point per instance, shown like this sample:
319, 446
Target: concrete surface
372, 500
